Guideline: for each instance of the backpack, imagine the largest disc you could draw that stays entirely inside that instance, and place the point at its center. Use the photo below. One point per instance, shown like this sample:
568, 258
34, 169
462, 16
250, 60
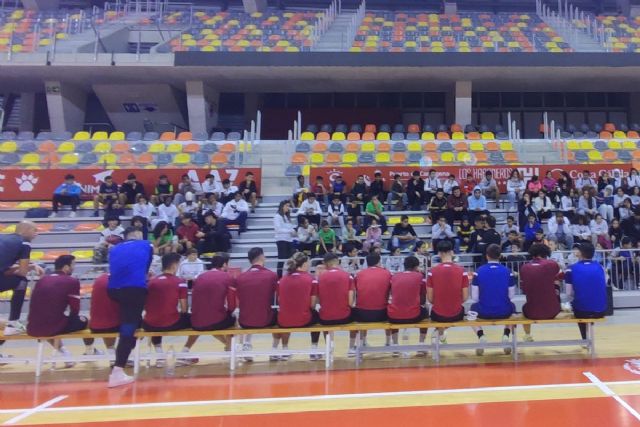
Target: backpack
37, 213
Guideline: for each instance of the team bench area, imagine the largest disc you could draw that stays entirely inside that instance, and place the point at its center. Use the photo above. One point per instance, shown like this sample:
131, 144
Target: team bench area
236, 352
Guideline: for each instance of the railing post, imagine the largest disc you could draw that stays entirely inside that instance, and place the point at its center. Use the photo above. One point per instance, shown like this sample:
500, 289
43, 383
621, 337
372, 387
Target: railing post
259, 126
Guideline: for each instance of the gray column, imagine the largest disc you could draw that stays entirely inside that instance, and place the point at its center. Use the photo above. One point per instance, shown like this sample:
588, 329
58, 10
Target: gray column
634, 107
463, 103
251, 101
251, 6
202, 105
66, 105
41, 4
27, 111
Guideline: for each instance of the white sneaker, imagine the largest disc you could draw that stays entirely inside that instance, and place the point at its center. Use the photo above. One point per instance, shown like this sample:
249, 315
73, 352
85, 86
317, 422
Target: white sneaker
15, 327
187, 362
351, 352
506, 340
480, 351
53, 215
443, 338
67, 365
421, 354
118, 378
528, 338
72, 214
247, 347
95, 352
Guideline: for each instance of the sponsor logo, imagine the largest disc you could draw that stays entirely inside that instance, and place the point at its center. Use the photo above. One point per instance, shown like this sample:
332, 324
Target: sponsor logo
633, 366
26, 183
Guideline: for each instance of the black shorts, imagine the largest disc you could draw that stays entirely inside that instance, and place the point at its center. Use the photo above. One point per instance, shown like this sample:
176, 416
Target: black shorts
184, 322
274, 322
10, 282
106, 330
369, 316
444, 319
588, 314
131, 302
344, 321
227, 323
419, 318
74, 324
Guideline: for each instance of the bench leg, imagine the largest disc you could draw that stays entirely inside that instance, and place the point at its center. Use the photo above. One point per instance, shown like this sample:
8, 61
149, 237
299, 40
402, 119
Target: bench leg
358, 353
327, 351
436, 349
333, 347
514, 343
232, 359
136, 358
39, 355
592, 340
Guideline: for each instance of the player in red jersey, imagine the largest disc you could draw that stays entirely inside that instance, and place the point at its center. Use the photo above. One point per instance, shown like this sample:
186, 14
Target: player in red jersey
104, 313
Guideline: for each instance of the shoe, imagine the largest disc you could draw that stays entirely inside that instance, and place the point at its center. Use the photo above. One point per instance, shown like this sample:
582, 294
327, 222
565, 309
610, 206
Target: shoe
480, 351
5, 356
351, 352
247, 347
15, 327
274, 358
443, 339
528, 338
118, 378
506, 340
253, 210
421, 354
96, 214
160, 363
53, 215
95, 352
72, 214
187, 362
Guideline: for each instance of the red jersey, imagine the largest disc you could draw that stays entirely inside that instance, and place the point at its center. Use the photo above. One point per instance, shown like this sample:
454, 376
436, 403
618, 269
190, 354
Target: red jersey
51, 297
447, 281
104, 312
164, 293
372, 287
538, 284
294, 299
256, 289
408, 293
188, 233
333, 291
212, 298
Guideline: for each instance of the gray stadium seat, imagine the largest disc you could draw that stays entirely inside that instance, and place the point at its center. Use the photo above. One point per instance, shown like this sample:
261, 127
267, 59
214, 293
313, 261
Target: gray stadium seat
597, 127
218, 136
414, 157
581, 156
399, 128
209, 148
445, 146
365, 158
27, 147
399, 147
635, 127
311, 128
397, 136
498, 128
623, 127
443, 128
496, 157
43, 136
88, 159
336, 147
326, 128
61, 136
413, 137
502, 136
139, 148
25, 135
9, 159
584, 128
151, 136
625, 156
200, 159
234, 136
385, 127
427, 128
293, 170
578, 135
7, 135
600, 145
200, 136
342, 128
58, 227
303, 147
164, 159
356, 128
134, 136
470, 128
591, 134
84, 147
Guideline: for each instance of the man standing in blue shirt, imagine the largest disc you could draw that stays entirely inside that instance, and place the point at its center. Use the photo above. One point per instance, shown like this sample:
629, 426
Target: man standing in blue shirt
129, 264
586, 286
492, 289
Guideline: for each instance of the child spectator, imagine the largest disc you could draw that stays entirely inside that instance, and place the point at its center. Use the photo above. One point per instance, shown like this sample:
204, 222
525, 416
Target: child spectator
350, 235
307, 237
327, 238
336, 212
109, 237
373, 237
190, 267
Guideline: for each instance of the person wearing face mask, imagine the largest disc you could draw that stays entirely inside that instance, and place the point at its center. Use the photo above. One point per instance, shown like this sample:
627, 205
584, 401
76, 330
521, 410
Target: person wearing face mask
188, 207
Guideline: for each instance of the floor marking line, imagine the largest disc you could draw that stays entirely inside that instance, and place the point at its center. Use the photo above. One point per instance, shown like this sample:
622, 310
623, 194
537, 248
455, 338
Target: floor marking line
34, 410
606, 390
323, 397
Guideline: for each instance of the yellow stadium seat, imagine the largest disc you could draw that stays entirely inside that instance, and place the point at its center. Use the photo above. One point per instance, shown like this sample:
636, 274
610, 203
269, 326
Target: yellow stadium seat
69, 159
350, 158
615, 145
306, 170
428, 136
476, 146
587, 145
506, 146
81, 136
100, 136
83, 254
487, 135
383, 158
383, 136
368, 147
108, 159
447, 157
414, 147
102, 147
317, 158
67, 147
8, 147
594, 156
156, 147
174, 147
464, 156
457, 135
338, 136
182, 159
619, 134
37, 255
117, 136
628, 145
307, 136
30, 159
573, 145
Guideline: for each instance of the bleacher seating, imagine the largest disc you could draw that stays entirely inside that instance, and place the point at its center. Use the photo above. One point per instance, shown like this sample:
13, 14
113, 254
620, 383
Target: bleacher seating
465, 32
624, 32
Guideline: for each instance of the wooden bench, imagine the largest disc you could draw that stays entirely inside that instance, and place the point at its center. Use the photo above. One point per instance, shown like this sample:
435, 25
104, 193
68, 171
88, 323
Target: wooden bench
435, 347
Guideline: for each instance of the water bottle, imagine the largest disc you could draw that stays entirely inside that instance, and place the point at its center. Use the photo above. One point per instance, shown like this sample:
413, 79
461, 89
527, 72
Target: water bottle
170, 363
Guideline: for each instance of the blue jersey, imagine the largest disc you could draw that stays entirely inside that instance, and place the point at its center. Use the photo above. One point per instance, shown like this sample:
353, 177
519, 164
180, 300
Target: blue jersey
493, 281
589, 283
129, 264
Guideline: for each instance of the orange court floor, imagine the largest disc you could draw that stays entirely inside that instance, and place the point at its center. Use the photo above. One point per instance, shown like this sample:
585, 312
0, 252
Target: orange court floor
548, 387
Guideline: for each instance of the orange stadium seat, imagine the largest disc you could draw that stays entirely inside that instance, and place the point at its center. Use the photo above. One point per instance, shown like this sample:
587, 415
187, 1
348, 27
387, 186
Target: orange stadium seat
399, 158
298, 159
319, 147
121, 147
606, 135
510, 156
323, 136
168, 136
371, 128
353, 136
219, 158
430, 147
185, 136
368, 136
333, 158
352, 147
384, 147
47, 147
443, 136
227, 148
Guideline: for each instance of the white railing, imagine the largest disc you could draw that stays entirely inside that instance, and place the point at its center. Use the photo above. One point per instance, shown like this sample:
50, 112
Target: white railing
352, 30
324, 22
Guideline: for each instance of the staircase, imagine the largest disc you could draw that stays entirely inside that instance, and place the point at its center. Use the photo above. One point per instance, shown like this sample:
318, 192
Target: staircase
335, 39
578, 40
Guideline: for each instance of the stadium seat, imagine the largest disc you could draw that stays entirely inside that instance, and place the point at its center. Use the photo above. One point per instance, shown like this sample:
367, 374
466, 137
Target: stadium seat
168, 136
69, 159
140, 147
506, 146
151, 136
9, 159
625, 156
199, 159
209, 148
398, 158
8, 147
487, 135
605, 135
594, 156
145, 159
316, 158
108, 159
457, 136
218, 136
338, 136
100, 136
573, 145
164, 159
367, 147
371, 128
445, 146
612, 144
383, 136
43, 136
581, 157
182, 159
461, 146
332, 158
323, 136
117, 136
302, 147
384, 147
473, 135
336, 147
511, 157
88, 159
399, 147
126, 159
81, 136
429, 146
121, 147
200, 136
102, 147
350, 158
62, 136
413, 128
353, 136
156, 147
227, 147
134, 136
67, 147
414, 157
447, 157
319, 147
185, 136
491, 146
24, 135
47, 147
191, 148
609, 155
307, 136
31, 147
587, 145
628, 145
443, 136
174, 147
382, 158
476, 146
619, 134
464, 157
298, 159
352, 147
368, 136
366, 158
397, 136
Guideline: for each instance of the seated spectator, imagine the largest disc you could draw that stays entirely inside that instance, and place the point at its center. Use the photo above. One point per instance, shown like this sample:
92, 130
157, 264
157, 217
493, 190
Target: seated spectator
489, 186
144, 209
508, 227
618, 200
464, 233
336, 294
615, 233
67, 193
635, 196
350, 262
189, 233
213, 299
338, 186
373, 237
168, 212
307, 237
112, 235
104, 314
300, 190
185, 186
584, 181
625, 266
236, 212
189, 206
297, 297
374, 210
393, 263
560, 230
604, 203
581, 231
431, 185
354, 211
423, 253
511, 251
525, 209
530, 228
587, 204
542, 205
336, 212
52, 296
167, 307
600, 232
586, 287
321, 192
415, 191
107, 196
227, 192
626, 210
604, 180
216, 237
131, 190
350, 235
403, 235
549, 183
513, 239
441, 231
449, 184
249, 190
556, 255
631, 227
163, 240
311, 210
210, 186
534, 186
468, 185
377, 187
568, 203
210, 204
327, 238
633, 179
457, 206
141, 224
475, 238
477, 204
190, 267
163, 190
397, 197
538, 238
492, 290
359, 191
437, 206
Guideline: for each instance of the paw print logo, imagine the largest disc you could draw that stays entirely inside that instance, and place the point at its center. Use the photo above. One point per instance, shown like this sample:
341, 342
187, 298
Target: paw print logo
26, 183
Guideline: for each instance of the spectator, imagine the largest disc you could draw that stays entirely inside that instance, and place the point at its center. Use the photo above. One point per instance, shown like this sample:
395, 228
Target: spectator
336, 212
189, 233
112, 235
185, 186
437, 206
631, 227
359, 190
600, 232
468, 185
585, 181
216, 237
373, 237
415, 189
556, 255
431, 186
350, 235
142, 224
489, 237
190, 267
605, 203
300, 189
336, 294
618, 200
397, 196
327, 238
163, 190
619, 180
464, 233
534, 185
633, 180
67, 193
549, 183
565, 182
604, 180
236, 212
131, 190
210, 204
515, 188
581, 231
394, 260
319, 189
477, 204
560, 230
568, 203
143, 209
374, 210
210, 186
489, 186
377, 187
508, 227
538, 238
625, 266
163, 240
626, 210
525, 209
338, 187
354, 211
227, 192
350, 262
307, 237
285, 232
449, 184
475, 238
513, 240
168, 212
107, 196
311, 210
615, 233
249, 190
457, 206
189, 206
542, 205
635, 196
422, 252
441, 231
403, 235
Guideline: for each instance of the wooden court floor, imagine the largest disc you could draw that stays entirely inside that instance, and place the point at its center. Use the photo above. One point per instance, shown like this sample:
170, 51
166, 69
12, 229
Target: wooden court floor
555, 387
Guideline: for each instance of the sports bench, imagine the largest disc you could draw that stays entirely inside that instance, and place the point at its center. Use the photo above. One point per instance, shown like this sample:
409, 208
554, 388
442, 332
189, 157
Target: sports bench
236, 352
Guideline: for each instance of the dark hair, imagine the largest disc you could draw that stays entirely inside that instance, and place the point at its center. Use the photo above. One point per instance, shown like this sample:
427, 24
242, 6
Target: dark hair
444, 246
136, 218
248, 173
491, 221
411, 263
226, 181
219, 260
130, 230
169, 260
108, 177
191, 251
373, 259
163, 176
63, 261
455, 188
415, 173
324, 223
396, 176
403, 217
538, 250
254, 254
513, 232
347, 247
587, 250
281, 206
330, 257
625, 240
511, 218
296, 261
157, 230
377, 174
207, 176
493, 251
69, 176
184, 176
131, 176
419, 244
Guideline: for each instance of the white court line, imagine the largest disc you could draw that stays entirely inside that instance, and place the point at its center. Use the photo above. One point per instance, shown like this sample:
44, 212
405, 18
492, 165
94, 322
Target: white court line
606, 390
32, 411
320, 397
